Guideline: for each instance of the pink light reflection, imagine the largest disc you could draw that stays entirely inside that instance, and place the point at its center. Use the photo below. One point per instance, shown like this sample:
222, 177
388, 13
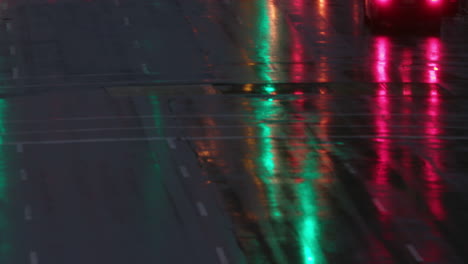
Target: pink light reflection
433, 183
298, 70
382, 54
433, 47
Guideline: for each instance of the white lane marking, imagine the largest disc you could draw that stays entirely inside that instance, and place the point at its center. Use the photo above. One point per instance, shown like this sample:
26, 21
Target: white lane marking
350, 168
126, 21
379, 205
414, 253
27, 213
23, 175
136, 44
202, 209
19, 148
171, 143
184, 171
8, 26
144, 68
12, 50
15, 72
222, 257
33, 258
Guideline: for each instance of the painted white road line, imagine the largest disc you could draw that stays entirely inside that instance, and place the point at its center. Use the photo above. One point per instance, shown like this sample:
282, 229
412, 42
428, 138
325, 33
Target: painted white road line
19, 148
8, 26
202, 209
27, 213
184, 171
23, 175
379, 205
12, 50
144, 68
171, 143
221, 256
414, 253
33, 258
350, 168
15, 72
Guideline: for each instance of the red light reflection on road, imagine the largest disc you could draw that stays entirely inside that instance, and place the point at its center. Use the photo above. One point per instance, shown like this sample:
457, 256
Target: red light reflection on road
432, 56
433, 183
324, 69
405, 65
297, 47
382, 111
382, 59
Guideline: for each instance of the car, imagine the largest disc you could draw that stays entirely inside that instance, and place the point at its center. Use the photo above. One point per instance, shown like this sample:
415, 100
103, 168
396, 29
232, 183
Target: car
384, 13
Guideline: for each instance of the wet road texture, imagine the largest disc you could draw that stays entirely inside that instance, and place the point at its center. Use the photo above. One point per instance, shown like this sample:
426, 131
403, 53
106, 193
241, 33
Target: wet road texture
228, 131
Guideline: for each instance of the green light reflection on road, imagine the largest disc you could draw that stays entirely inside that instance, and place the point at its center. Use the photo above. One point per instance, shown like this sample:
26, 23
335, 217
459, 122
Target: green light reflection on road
264, 40
308, 225
267, 158
5, 247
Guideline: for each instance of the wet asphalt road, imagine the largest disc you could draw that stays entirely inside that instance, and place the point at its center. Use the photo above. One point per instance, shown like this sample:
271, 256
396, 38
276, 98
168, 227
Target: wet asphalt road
262, 131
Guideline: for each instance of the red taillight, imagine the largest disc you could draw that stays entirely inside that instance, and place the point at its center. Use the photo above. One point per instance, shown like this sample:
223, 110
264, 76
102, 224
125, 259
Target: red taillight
383, 1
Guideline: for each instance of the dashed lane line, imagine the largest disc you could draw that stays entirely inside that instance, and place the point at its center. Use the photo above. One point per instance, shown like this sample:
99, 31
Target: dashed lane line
221, 255
379, 205
33, 258
202, 209
184, 172
414, 253
15, 72
27, 213
23, 175
171, 143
